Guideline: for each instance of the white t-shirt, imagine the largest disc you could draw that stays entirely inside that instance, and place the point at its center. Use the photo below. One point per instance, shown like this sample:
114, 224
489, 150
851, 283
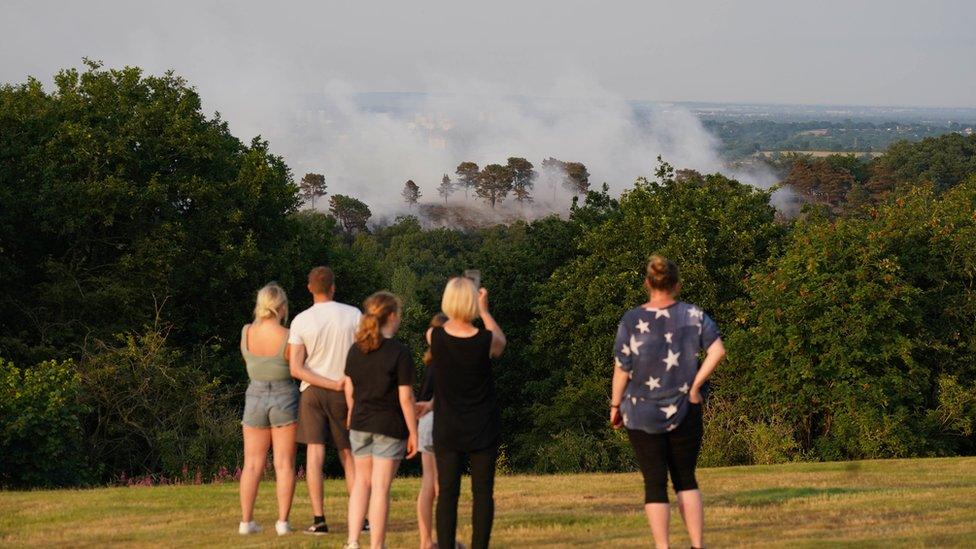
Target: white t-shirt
327, 330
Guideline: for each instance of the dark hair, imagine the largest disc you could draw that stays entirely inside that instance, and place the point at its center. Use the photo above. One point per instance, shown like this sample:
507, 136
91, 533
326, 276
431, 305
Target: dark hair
321, 280
436, 321
376, 311
662, 273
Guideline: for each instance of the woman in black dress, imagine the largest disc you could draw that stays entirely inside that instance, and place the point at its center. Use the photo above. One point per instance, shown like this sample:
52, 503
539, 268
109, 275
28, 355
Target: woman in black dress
467, 421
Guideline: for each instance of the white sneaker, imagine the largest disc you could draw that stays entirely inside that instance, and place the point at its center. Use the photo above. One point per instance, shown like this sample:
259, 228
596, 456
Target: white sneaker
283, 527
351, 545
249, 528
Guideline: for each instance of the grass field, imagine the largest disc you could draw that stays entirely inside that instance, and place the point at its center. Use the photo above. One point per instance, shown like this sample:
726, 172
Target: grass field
924, 502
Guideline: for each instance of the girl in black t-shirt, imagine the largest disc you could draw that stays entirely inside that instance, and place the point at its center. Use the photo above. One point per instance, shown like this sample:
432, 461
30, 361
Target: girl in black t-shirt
379, 376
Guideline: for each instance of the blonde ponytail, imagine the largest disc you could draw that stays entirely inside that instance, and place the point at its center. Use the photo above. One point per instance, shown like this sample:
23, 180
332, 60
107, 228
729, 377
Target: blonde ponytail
271, 298
376, 311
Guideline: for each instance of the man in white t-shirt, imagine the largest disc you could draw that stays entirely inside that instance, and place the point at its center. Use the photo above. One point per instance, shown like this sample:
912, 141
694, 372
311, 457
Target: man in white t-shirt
320, 338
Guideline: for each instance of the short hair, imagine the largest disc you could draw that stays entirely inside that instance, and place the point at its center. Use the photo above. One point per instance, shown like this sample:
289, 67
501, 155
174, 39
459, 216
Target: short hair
460, 301
662, 273
321, 280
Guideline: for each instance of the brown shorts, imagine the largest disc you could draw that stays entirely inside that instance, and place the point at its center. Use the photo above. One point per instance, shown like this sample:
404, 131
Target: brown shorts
322, 418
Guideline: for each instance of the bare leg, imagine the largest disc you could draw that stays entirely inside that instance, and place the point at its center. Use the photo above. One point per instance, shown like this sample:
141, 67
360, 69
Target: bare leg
693, 513
658, 515
425, 500
283, 443
379, 502
314, 460
348, 468
256, 443
359, 497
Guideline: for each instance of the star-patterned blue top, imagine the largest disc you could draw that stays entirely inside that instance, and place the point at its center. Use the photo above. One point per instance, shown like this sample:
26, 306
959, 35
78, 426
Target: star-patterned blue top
659, 349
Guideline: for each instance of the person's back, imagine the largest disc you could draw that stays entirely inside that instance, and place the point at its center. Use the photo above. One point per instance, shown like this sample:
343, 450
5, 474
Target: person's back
263, 349
326, 329
465, 403
320, 339
270, 407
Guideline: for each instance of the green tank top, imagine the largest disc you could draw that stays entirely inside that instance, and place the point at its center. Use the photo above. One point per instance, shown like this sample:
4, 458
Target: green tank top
264, 368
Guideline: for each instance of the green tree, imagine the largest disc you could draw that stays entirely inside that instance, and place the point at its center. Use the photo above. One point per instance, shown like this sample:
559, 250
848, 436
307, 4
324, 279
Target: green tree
41, 440
352, 213
446, 188
577, 178
944, 161
133, 199
858, 336
523, 178
411, 193
715, 228
467, 173
494, 183
312, 186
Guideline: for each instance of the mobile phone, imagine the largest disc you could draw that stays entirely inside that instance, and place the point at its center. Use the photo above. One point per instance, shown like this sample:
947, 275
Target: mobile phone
475, 275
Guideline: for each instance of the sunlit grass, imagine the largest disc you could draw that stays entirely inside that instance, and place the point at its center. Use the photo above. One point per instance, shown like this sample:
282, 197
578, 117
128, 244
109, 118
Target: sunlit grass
927, 502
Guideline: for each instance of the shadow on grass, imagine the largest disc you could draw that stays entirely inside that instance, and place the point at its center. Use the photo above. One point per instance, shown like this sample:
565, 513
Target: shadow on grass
773, 496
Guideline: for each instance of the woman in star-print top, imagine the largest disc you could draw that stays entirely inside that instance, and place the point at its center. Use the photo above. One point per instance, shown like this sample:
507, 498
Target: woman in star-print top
657, 394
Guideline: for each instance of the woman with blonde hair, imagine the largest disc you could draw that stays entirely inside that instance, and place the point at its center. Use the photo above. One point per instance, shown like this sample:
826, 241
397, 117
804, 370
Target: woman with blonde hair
379, 375
425, 434
467, 420
270, 407
657, 391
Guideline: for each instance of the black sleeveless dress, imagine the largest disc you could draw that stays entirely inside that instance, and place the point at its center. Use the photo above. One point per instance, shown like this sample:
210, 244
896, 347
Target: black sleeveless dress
466, 414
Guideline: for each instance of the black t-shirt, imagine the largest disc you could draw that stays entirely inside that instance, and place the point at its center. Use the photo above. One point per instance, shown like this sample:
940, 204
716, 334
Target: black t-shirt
376, 378
466, 414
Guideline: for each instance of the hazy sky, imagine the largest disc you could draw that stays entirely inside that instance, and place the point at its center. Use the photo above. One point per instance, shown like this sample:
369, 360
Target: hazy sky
891, 52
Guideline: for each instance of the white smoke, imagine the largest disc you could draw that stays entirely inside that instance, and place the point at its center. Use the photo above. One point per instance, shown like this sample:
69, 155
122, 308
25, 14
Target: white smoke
368, 150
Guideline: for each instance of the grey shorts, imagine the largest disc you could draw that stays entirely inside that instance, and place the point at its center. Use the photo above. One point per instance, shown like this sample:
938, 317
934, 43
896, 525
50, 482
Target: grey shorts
425, 433
270, 404
371, 444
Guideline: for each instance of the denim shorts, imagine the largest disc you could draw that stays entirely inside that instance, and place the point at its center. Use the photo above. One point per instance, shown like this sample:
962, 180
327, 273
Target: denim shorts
371, 444
270, 404
425, 433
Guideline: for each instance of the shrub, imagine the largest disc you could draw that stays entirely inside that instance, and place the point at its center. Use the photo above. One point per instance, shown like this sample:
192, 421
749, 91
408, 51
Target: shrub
40, 433
156, 410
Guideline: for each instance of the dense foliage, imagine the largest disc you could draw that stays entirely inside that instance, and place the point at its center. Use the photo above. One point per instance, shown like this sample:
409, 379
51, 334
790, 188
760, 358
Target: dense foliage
134, 231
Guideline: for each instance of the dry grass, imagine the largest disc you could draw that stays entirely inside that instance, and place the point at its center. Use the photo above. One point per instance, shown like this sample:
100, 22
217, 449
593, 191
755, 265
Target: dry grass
924, 502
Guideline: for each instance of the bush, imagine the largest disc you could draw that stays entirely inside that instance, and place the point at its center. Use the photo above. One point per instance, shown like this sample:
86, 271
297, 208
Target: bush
859, 335
40, 432
576, 451
156, 410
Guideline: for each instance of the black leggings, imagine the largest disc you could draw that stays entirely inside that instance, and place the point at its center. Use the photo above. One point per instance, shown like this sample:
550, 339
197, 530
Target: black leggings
676, 451
450, 465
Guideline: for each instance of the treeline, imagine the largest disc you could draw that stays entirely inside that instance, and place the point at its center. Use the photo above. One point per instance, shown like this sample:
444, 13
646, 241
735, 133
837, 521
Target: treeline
743, 138
134, 232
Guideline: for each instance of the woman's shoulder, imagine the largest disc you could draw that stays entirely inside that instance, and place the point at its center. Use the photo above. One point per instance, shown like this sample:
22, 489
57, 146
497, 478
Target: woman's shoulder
691, 309
635, 312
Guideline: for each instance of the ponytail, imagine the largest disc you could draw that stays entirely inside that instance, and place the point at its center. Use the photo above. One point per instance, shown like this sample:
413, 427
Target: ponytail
376, 312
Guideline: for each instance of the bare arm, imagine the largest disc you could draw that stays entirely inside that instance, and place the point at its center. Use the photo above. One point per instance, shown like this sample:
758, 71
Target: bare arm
406, 404
619, 384
714, 355
298, 369
348, 390
498, 340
